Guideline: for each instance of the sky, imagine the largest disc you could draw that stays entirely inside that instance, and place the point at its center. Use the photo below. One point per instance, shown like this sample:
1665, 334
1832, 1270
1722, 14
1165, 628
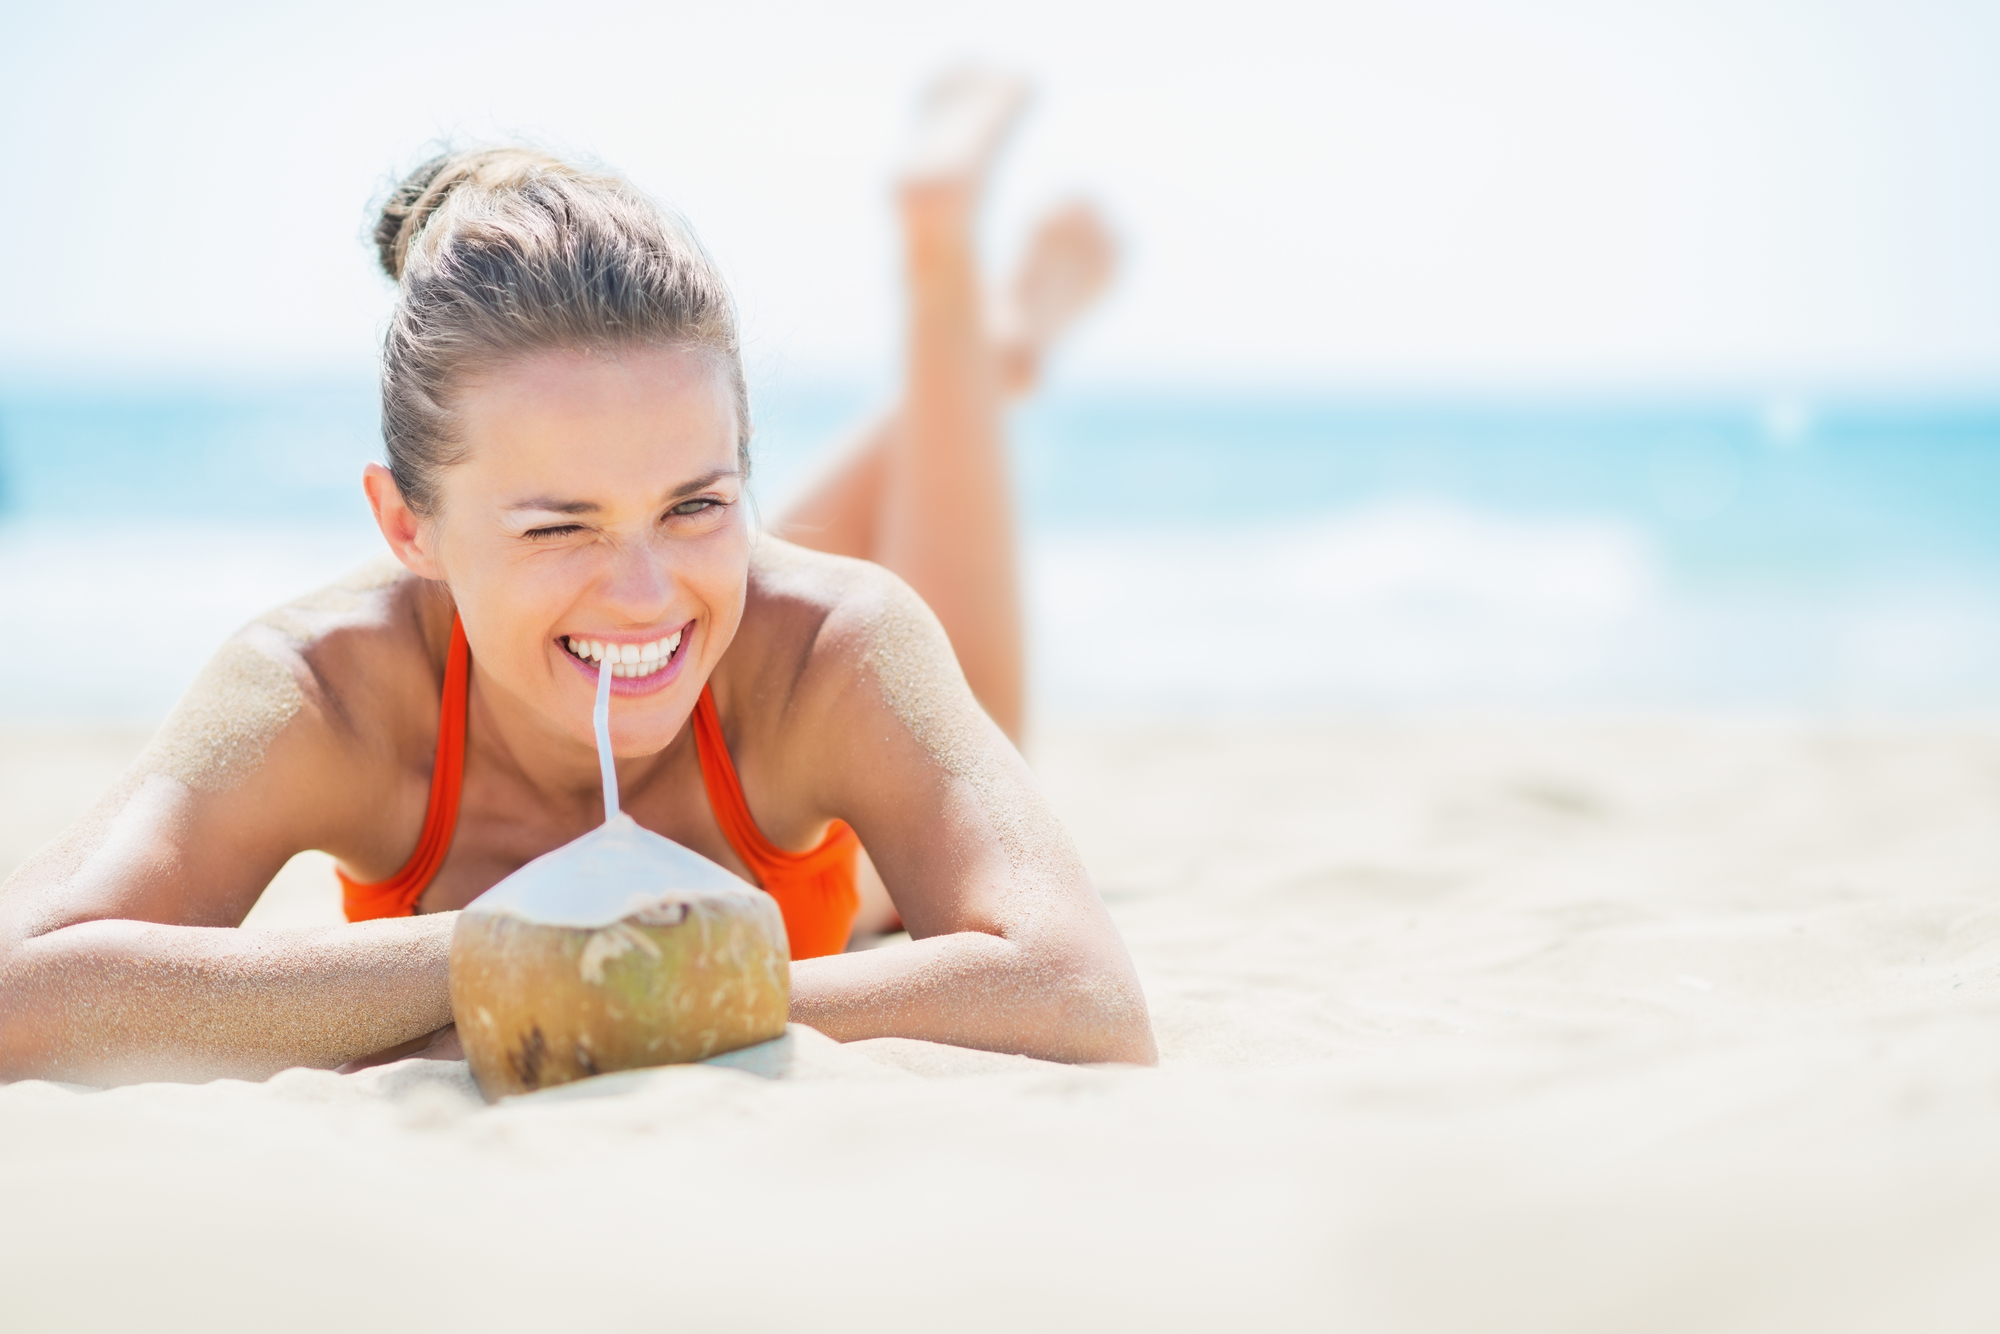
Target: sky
1783, 196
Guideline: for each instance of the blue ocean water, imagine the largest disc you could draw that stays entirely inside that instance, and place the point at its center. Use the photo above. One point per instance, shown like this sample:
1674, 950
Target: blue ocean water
1369, 552
1729, 490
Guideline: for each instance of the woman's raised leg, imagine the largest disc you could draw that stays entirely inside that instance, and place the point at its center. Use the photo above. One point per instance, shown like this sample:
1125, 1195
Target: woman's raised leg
925, 492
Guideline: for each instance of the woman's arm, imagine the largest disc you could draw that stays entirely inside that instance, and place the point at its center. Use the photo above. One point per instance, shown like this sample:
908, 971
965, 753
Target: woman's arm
1072, 1000
119, 957
112, 1002
1011, 948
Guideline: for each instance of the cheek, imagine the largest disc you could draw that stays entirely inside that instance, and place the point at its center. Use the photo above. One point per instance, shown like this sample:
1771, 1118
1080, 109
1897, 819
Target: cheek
716, 569
513, 598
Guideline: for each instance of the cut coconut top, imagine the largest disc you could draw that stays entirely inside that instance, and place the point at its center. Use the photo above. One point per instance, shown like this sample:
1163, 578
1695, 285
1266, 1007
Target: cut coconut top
613, 871
610, 873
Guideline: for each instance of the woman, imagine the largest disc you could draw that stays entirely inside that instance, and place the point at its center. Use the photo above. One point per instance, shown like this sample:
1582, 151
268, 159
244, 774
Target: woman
566, 428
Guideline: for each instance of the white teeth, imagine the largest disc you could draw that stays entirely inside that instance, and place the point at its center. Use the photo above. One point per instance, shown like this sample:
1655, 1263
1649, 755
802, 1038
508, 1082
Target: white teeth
627, 659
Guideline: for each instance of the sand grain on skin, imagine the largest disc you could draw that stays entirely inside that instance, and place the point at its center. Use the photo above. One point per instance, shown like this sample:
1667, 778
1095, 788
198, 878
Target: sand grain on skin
299, 619
217, 735
220, 731
913, 665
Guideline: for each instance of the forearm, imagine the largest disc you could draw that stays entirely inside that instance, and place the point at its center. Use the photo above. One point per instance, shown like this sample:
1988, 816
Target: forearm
971, 989
107, 1002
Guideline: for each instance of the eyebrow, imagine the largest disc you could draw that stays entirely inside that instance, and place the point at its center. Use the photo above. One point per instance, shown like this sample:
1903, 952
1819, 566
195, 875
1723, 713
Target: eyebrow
557, 505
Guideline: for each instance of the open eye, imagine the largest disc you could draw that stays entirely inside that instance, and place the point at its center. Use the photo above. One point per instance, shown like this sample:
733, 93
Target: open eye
697, 505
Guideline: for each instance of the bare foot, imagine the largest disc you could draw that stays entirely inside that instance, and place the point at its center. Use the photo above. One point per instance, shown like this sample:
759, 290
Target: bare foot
1070, 262
962, 120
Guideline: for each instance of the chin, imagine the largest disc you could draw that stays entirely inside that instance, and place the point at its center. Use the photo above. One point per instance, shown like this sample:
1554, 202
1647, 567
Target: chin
650, 728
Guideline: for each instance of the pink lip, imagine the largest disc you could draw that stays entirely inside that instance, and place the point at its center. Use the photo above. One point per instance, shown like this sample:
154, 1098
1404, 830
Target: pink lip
636, 685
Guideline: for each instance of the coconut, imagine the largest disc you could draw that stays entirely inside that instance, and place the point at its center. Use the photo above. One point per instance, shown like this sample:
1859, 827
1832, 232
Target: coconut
618, 950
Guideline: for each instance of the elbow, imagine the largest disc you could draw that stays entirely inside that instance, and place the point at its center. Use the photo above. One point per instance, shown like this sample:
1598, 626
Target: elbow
22, 1054
1134, 1043
1090, 1008
1104, 1020
1123, 1036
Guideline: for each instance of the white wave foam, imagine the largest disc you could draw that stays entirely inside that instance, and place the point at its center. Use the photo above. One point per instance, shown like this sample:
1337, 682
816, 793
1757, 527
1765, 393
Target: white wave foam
1400, 604
1430, 605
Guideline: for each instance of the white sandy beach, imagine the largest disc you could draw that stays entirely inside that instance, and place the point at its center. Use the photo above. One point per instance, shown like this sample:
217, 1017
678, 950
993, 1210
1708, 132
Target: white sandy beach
1480, 1025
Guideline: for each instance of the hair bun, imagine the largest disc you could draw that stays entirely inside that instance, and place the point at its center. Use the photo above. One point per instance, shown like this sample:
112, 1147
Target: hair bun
409, 205
422, 193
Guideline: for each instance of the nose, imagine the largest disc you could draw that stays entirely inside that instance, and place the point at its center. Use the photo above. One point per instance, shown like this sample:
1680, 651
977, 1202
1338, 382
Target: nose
639, 584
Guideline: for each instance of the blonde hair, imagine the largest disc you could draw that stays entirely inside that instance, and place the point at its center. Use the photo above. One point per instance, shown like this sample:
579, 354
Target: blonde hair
503, 252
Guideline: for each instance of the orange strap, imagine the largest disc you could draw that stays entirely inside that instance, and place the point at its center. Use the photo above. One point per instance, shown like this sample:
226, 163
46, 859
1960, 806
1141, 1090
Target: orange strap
397, 896
815, 890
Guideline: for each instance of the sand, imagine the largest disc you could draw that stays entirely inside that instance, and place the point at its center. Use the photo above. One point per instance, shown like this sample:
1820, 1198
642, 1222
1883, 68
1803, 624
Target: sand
1483, 1025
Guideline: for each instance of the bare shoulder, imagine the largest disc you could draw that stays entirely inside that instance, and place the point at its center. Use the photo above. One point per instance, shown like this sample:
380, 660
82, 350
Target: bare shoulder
879, 726
276, 747
816, 625
324, 671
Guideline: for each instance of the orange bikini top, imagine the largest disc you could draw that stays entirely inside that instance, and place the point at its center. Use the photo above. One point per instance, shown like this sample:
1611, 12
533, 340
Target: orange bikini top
815, 890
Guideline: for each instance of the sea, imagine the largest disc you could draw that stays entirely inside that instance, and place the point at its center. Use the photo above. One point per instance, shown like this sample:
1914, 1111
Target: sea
1185, 551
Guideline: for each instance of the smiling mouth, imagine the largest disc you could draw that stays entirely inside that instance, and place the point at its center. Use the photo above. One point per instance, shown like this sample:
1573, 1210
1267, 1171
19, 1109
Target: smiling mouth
627, 660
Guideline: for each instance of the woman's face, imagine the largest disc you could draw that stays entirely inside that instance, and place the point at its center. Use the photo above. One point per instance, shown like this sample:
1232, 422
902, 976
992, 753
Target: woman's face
598, 510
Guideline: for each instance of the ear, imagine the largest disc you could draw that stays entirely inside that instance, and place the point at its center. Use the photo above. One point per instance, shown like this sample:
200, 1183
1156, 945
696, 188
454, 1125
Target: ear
406, 533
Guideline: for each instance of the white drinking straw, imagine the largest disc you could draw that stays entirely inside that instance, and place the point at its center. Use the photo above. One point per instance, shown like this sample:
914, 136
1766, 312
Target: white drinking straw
600, 718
